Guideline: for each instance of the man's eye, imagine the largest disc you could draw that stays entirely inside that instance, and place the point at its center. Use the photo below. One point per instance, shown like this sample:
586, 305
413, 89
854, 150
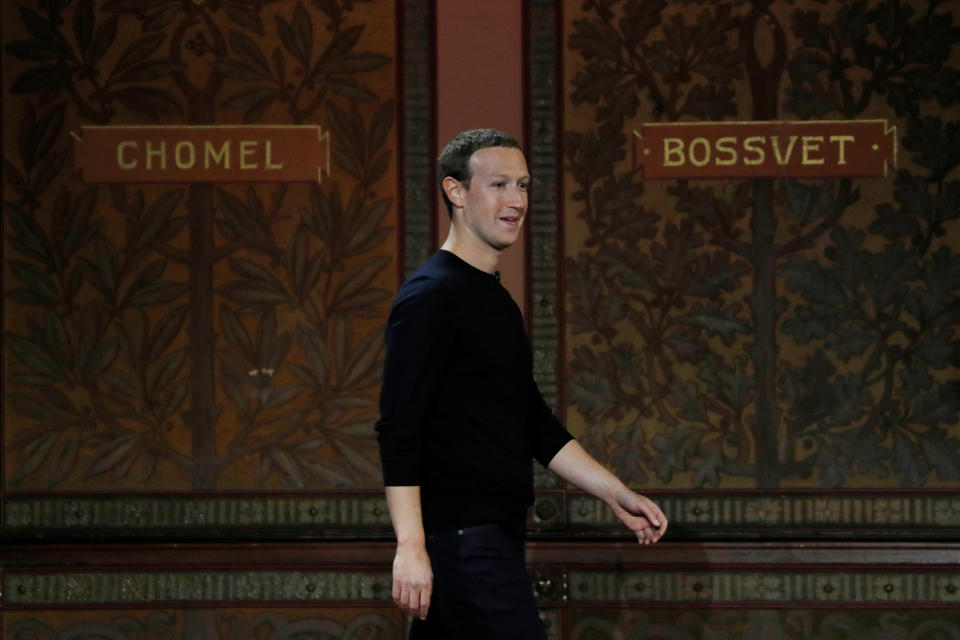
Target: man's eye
524, 185
499, 185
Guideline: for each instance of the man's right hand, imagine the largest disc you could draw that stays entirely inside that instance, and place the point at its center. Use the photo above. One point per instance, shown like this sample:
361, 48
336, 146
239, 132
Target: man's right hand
412, 579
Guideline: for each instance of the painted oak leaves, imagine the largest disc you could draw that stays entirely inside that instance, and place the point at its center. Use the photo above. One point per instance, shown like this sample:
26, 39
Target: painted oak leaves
204, 336
770, 332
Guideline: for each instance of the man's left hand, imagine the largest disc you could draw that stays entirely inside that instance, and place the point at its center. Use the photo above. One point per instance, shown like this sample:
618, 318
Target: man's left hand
640, 514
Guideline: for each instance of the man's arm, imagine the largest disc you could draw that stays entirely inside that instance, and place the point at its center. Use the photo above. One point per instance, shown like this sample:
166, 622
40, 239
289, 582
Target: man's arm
418, 336
412, 576
640, 514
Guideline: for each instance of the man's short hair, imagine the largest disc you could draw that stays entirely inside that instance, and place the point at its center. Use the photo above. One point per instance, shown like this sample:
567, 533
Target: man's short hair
454, 160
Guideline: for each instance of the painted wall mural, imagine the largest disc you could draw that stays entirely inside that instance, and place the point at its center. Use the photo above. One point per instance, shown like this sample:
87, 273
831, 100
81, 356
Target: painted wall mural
764, 333
198, 361
199, 336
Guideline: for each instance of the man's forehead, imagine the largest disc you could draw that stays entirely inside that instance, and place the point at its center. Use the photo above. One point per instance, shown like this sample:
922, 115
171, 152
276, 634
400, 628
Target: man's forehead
499, 160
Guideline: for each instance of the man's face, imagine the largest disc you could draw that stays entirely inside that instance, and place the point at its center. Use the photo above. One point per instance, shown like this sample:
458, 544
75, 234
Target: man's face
495, 205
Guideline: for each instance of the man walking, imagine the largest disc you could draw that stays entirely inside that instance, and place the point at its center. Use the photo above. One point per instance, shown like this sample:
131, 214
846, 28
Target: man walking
462, 418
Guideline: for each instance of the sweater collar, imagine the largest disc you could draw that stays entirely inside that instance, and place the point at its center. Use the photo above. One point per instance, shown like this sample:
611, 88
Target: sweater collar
465, 267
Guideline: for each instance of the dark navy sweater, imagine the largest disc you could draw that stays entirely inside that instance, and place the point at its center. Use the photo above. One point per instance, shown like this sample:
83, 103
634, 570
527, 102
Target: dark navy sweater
460, 414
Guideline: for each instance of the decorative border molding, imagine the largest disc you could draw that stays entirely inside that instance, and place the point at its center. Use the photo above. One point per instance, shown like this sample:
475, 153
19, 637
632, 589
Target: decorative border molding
552, 588
417, 159
110, 588
895, 512
543, 248
151, 513
766, 588
878, 512
544, 220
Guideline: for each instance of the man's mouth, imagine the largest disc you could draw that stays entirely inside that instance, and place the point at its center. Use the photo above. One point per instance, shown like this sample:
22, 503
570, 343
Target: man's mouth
510, 219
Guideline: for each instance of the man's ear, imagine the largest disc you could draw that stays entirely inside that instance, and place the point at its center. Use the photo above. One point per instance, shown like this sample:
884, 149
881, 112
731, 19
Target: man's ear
454, 190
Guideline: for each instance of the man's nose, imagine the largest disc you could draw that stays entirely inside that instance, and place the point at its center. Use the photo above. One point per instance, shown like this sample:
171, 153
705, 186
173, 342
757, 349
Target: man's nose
517, 198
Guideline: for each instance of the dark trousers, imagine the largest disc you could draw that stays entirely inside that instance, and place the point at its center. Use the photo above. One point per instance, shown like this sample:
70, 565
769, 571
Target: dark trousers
481, 588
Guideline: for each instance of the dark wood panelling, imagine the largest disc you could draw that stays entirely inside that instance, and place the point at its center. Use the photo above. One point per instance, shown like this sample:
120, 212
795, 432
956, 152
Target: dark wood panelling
582, 587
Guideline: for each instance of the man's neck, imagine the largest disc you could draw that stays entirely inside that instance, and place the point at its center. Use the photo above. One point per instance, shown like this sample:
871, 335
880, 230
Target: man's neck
485, 259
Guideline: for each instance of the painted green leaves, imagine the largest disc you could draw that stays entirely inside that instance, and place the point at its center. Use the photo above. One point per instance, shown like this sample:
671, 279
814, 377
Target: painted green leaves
787, 332
203, 335
625, 62
71, 62
302, 72
879, 397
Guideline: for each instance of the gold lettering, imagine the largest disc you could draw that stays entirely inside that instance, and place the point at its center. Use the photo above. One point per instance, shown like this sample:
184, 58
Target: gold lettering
247, 149
749, 145
722, 147
841, 147
706, 151
159, 153
126, 165
782, 159
811, 144
192, 155
673, 152
269, 163
221, 157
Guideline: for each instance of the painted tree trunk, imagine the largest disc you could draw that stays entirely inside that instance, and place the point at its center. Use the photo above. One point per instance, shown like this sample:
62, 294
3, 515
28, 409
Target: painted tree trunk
765, 89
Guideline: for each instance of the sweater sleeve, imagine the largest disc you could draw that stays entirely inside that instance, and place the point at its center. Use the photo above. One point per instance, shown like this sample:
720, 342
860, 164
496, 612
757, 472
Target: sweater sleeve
419, 334
549, 436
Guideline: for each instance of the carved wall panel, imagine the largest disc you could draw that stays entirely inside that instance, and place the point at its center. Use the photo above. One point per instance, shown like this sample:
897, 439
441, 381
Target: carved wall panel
770, 334
584, 590
171, 339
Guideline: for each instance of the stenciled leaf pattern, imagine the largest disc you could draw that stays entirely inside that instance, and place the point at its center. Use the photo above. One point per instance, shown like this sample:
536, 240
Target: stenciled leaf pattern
78, 54
849, 307
103, 279
318, 71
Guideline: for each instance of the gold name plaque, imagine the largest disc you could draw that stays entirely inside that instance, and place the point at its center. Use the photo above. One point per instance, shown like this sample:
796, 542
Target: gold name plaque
781, 149
170, 154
